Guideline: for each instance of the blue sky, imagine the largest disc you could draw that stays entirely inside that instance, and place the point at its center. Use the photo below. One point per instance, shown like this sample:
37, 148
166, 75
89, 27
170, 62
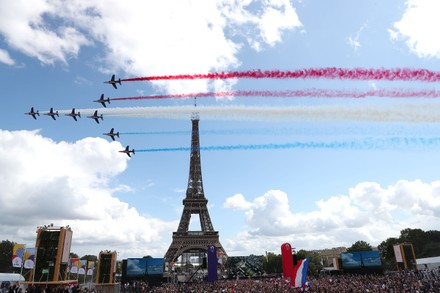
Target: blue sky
376, 175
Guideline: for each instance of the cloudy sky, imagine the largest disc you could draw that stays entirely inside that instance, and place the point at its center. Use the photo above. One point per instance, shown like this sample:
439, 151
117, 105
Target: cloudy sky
317, 170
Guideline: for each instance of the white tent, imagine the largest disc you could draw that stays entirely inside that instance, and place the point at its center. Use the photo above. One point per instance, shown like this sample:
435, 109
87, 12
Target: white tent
4, 277
429, 263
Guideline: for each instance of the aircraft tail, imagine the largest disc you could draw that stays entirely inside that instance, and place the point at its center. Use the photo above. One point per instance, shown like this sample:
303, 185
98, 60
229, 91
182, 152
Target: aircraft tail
117, 134
133, 151
56, 113
79, 114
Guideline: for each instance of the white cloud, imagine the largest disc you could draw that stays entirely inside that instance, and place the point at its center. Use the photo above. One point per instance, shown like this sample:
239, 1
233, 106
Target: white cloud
237, 202
277, 16
69, 184
368, 212
5, 58
147, 38
25, 27
418, 27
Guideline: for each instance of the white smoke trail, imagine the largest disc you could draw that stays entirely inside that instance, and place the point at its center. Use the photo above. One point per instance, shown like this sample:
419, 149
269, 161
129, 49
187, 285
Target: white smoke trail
428, 112
416, 112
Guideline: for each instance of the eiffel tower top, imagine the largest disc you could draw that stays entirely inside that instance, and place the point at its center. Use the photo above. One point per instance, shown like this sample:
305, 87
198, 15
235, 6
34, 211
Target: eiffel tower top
195, 114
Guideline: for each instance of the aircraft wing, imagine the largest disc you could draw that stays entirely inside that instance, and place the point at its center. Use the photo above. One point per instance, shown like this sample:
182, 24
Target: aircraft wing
114, 85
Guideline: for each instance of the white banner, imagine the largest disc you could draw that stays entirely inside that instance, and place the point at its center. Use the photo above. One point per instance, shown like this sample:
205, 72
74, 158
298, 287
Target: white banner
398, 253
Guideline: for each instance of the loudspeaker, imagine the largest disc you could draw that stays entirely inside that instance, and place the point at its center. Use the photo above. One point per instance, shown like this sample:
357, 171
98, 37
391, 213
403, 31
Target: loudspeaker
106, 267
52, 249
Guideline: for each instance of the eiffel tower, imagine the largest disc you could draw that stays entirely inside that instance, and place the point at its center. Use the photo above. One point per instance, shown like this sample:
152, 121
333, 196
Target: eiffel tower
195, 203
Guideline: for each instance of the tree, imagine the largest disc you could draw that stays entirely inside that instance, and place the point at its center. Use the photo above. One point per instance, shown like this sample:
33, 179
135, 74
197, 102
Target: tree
386, 249
433, 235
360, 246
90, 257
417, 237
6, 248
272, 263
315, 265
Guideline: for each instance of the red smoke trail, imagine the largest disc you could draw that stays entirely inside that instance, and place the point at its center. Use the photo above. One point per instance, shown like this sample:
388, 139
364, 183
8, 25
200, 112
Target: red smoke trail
317, 93
405, 74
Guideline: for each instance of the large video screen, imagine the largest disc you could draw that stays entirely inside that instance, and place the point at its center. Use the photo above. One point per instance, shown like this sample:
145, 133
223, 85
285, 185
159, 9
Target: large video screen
351, 260
245, 266
360, 259
138, 267
155, 266
371, 258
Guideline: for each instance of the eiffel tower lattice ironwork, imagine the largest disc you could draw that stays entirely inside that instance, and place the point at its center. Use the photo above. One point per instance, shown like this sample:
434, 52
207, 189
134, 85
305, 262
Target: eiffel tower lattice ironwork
195, 203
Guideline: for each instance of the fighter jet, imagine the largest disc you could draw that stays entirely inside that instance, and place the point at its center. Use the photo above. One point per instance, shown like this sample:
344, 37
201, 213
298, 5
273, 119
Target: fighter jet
102, 100
113, 82
73, 114
112, 134
33, 113
96, 117
52, 114
127, 151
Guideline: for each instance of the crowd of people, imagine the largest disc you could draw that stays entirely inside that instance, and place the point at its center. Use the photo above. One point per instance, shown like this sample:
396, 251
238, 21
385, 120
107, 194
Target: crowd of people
421, 281
398, 282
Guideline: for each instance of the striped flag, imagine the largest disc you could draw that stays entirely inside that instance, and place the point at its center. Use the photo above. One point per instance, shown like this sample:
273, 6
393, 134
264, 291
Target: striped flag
300, 273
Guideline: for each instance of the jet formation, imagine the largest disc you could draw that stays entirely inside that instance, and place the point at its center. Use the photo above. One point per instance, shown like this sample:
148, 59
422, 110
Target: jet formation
74, 115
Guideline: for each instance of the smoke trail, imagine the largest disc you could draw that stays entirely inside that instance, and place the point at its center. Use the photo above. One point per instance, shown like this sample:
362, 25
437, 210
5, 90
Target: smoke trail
317, 93
385, 112
404, 74
368, 143
311, 130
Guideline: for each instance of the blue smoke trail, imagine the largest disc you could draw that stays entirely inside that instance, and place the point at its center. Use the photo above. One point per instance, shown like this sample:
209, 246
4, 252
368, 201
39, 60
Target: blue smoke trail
368, 143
